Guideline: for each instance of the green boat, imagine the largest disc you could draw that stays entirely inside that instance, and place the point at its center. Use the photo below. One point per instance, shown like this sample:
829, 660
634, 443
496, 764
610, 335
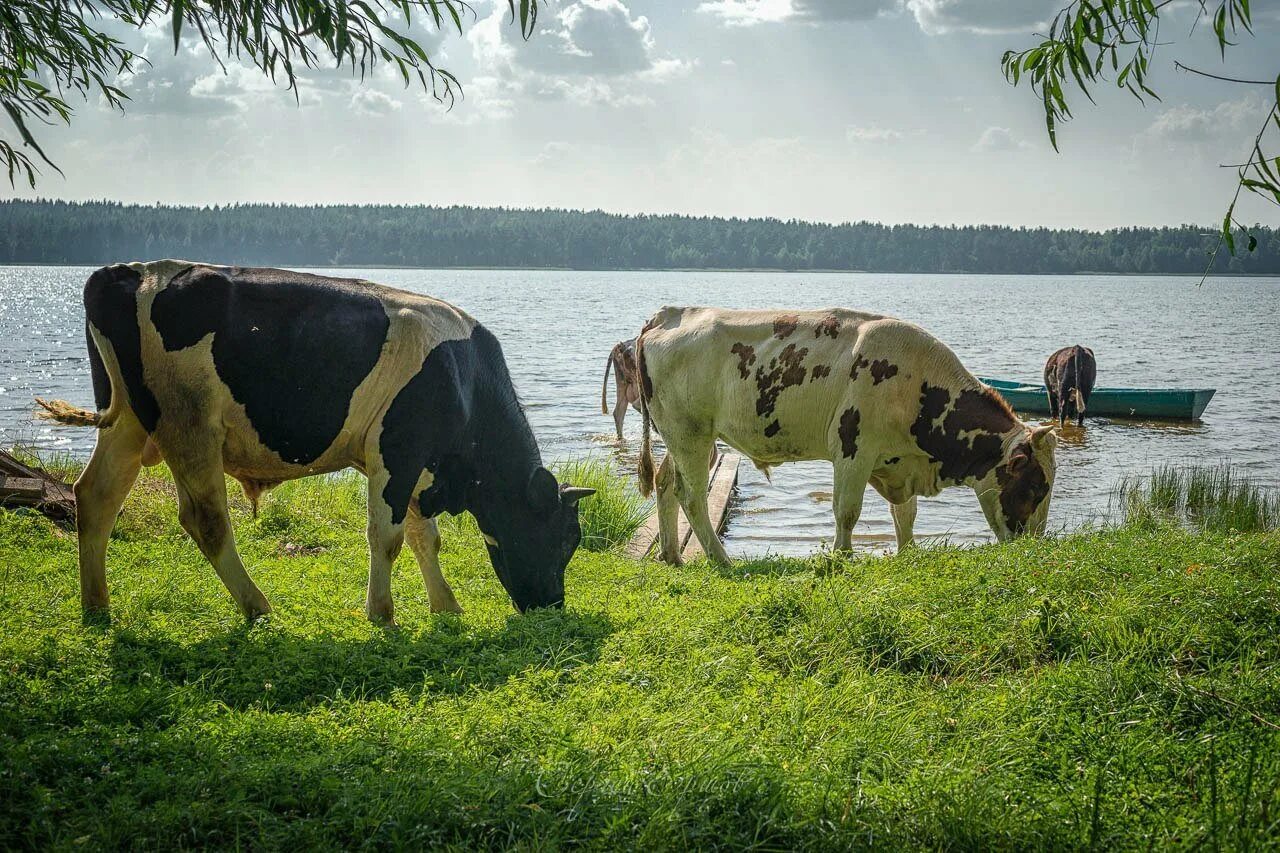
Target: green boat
1183, 404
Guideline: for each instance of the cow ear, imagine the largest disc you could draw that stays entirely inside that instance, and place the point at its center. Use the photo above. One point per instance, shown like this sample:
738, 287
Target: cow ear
543, 491
570, 495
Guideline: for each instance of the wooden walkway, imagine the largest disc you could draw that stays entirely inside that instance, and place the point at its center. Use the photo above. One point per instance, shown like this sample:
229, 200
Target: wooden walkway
23, 485
724, 476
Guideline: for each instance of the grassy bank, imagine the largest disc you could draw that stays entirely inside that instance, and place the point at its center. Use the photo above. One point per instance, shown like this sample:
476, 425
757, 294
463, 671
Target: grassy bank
1115, 689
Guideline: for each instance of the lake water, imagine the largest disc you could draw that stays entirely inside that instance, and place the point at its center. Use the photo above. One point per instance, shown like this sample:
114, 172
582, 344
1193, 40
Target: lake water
557, 329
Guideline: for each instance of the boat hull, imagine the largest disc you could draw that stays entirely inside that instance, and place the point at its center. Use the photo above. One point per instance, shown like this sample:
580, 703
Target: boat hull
1182, 404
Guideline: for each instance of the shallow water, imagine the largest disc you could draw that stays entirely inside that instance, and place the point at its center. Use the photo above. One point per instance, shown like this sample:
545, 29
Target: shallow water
557, 328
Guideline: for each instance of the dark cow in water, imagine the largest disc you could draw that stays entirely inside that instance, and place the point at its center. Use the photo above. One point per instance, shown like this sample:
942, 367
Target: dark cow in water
1069, 376
883, 400
622, 361
270, 376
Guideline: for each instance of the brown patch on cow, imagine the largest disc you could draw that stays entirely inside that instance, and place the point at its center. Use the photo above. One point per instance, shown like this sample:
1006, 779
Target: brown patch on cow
784, 371
785, 325
982, 410
646, 384
858, 363
829, 326
746, 357
974, 415
820, 371
849, 423
772, 429
1023, 486
881, 370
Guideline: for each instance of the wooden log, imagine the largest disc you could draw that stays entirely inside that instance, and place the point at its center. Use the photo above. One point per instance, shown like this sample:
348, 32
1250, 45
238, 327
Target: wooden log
40, 490
20, 488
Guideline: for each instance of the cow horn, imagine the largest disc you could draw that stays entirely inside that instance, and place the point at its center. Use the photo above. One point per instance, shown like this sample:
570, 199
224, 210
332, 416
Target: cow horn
1044, 438
572, 494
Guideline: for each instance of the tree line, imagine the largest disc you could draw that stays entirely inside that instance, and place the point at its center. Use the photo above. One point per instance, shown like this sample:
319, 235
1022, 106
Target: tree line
95, 233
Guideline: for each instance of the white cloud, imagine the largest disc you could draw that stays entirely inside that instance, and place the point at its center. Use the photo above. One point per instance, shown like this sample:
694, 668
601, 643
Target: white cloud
873, 133
371, 102
1186, 124
749, 13
596, 53
982, 16
999, 139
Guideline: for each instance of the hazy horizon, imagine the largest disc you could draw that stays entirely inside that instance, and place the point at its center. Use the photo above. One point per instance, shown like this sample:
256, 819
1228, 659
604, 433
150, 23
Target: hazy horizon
890, 111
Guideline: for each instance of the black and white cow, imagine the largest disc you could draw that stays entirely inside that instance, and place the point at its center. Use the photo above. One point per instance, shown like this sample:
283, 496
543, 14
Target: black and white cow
883, 400
622, 363
1069, 377
270, 376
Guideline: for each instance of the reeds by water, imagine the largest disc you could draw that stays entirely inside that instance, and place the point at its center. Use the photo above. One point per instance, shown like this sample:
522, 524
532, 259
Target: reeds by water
1216, 498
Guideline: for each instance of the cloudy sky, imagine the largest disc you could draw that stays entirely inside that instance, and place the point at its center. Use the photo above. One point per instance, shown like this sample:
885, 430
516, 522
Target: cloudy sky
888, 110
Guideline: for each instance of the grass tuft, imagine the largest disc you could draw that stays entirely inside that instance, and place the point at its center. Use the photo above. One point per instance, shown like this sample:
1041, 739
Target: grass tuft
1211, 498
614, 513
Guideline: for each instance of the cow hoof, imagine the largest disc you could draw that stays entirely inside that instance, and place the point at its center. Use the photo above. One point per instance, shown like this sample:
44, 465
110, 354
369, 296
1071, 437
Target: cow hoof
450, 607
383, 620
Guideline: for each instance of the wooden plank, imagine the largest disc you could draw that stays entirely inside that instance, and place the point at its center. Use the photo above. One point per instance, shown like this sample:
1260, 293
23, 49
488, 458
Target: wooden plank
25, 489
719, 496
721, 480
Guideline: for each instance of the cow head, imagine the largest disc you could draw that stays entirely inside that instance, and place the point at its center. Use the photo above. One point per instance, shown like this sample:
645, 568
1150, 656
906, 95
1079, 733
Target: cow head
1015, 494
531, 533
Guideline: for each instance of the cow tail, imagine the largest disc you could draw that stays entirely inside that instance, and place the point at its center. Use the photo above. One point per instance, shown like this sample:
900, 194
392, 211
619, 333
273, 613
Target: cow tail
646, 469
604, 386
64, 413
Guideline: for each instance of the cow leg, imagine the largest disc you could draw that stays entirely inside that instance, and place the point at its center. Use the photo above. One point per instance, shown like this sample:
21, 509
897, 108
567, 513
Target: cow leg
668, 511
851, 478
386, 538
691, 488
620, 407
904, 521
1053, 404
202, 511
100, 492
423, 537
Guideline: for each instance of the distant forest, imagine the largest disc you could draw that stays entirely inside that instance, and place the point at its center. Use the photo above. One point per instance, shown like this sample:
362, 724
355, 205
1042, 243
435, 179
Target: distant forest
95, 233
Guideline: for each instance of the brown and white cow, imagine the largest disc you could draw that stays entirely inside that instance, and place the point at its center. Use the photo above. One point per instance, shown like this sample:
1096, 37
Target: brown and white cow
626, 378
270, 375
882, 399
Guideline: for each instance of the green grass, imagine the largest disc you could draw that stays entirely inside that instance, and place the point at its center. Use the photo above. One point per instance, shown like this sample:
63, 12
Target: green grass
1217, 498
615, 512
1119, 689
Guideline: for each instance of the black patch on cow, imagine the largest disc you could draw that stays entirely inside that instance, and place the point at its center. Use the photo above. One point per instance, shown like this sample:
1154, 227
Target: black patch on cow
111, 306
959, 457
772, 429
828, 325
849, 422
784, 371
858, 363
893, 460
746, 357
292, 348
1023, 486
785, 325
881, 370
820, 371
422, 430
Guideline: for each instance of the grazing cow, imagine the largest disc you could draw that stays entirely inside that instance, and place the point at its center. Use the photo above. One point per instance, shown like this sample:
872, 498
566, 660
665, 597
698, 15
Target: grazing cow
622, 359
270, 376
883, 400
1069, 375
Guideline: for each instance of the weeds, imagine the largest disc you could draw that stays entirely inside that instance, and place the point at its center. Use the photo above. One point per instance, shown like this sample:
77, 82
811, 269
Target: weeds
1217, 498
611, 516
